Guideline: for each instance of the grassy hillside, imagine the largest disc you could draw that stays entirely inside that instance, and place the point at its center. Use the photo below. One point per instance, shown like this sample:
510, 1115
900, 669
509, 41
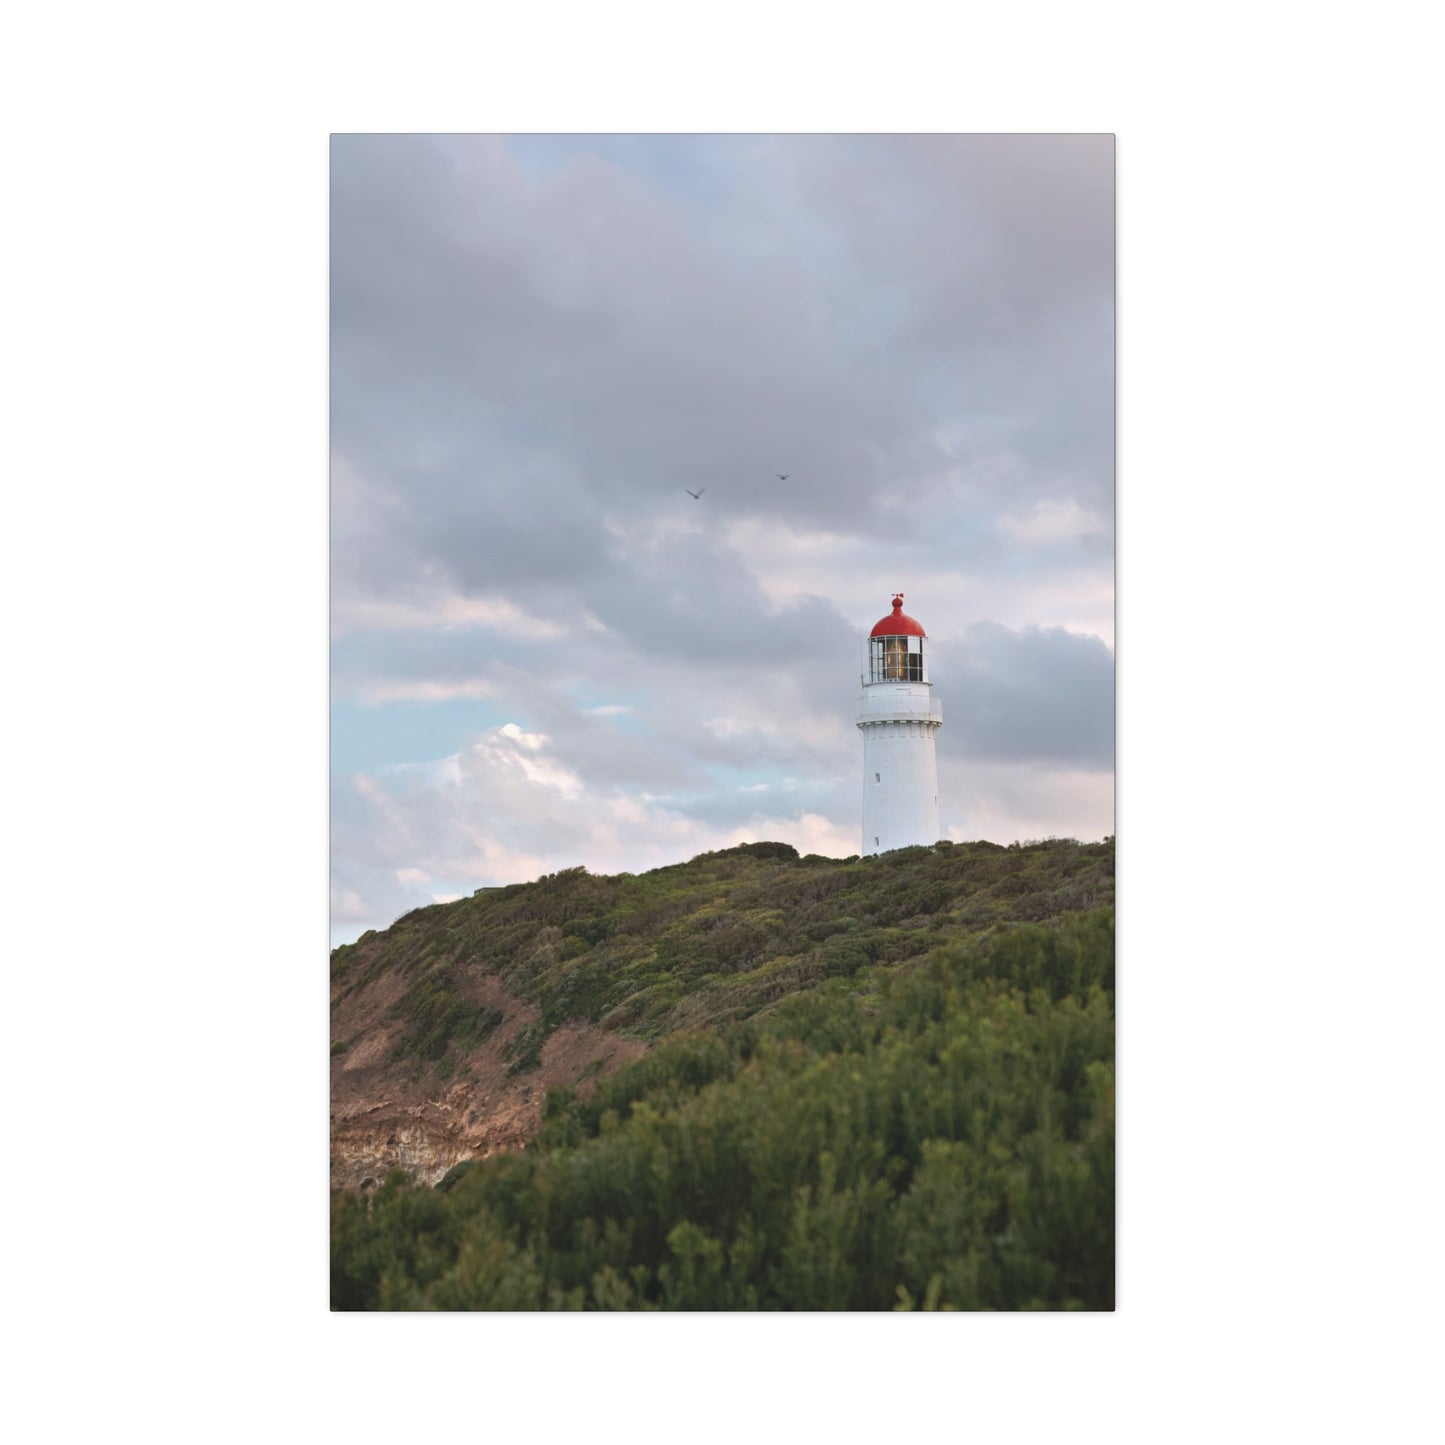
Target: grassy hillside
944, 1142
873, 1084
706, 942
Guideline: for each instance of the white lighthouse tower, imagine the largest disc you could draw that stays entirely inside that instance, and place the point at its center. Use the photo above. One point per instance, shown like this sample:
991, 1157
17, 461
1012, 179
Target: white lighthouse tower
898, 716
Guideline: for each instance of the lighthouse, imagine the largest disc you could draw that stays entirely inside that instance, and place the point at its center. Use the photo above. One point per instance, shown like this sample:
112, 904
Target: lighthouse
898, 717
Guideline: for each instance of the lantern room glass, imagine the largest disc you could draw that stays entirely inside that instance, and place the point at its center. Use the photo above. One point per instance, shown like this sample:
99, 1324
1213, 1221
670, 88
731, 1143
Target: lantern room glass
895, 659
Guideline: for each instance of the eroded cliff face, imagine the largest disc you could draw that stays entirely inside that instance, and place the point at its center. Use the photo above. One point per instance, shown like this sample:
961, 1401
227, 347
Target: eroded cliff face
385, 1114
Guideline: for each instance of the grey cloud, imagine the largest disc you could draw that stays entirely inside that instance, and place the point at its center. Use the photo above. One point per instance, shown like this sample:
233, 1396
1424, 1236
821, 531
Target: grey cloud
509, 349
1001, 251
1039, 694
536, 343
675, 694
588, 314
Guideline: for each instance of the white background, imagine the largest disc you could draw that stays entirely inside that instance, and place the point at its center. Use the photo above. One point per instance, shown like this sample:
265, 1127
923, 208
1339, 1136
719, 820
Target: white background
166, 592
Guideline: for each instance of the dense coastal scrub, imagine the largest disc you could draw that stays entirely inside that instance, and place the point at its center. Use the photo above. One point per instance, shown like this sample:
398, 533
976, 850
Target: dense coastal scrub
884, 1134
707, 942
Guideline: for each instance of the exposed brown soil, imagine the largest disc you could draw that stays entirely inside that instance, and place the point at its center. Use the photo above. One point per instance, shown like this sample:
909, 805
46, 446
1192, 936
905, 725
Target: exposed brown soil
384, 1115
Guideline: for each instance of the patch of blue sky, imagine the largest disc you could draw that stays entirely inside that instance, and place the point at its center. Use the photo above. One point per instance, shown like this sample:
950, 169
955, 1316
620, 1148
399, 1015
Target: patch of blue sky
365, 738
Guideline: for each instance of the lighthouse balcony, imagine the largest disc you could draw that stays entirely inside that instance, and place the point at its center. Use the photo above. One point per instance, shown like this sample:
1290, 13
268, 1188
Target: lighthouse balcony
898, 704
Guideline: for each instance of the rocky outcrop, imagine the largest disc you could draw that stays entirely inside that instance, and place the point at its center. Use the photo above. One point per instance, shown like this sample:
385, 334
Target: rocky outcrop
387, 1114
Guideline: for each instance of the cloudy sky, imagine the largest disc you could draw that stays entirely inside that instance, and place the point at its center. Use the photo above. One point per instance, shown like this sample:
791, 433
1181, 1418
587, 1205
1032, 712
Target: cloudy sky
545, 653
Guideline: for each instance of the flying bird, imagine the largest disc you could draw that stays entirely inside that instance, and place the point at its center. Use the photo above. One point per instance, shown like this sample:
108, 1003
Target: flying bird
782, 476
695, 495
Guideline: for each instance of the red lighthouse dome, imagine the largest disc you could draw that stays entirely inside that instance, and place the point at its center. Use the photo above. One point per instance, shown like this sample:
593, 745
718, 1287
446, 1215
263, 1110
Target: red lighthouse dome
897, 623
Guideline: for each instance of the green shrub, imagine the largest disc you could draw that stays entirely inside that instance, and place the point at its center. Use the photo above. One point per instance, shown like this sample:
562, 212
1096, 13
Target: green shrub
525, 1051
454, 1175
943, 1143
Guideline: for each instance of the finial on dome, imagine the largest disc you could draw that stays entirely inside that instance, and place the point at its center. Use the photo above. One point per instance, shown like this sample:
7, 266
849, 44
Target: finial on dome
897, 623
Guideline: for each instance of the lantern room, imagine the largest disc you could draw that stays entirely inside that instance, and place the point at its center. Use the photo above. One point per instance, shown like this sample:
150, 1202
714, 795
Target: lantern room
895, 648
